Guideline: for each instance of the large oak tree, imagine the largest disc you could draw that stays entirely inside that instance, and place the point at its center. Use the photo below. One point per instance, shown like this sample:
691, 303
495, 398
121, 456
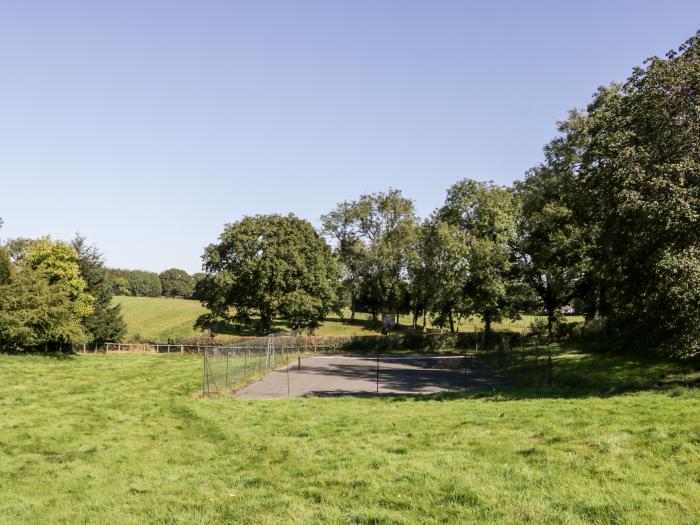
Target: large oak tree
269, 266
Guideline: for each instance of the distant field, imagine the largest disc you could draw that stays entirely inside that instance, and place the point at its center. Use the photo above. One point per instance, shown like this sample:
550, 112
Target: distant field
160, 319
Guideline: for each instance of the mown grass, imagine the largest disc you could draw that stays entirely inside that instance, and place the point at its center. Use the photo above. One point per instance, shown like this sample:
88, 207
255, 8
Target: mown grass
158, 318
121, 439
161, 319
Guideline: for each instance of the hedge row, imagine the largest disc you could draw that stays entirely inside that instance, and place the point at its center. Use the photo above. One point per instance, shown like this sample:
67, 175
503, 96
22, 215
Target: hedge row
411, 341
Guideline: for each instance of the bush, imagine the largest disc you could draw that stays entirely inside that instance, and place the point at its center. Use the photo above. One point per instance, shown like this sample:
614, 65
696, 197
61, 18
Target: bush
412, 341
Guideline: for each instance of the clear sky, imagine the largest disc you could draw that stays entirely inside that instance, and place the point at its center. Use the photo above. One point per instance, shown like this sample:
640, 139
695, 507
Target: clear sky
147, 125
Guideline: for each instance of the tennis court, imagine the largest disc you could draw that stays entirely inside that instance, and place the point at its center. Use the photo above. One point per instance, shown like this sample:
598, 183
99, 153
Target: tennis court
333, 375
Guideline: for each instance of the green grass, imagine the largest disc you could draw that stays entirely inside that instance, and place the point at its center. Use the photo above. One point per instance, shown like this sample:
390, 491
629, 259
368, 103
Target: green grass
577, 370
121, 439
160, 319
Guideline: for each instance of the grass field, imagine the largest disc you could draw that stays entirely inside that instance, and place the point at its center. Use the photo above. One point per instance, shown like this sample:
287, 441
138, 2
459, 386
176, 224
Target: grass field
122, 439
160, 319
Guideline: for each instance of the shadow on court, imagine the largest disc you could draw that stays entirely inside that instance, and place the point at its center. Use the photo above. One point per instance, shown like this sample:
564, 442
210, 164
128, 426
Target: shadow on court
340, 375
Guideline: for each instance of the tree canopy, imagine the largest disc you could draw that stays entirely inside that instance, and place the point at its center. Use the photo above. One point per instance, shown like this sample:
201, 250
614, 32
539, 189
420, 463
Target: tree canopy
105, 323
374, 236
269, 266
175, 282
44, 299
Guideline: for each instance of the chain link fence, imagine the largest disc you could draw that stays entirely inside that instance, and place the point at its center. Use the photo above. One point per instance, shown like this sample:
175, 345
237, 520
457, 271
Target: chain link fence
230, 367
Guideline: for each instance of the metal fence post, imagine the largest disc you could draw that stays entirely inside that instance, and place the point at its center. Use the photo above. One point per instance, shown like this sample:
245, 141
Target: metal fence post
465, 370
377, 374
226, 380
288, 365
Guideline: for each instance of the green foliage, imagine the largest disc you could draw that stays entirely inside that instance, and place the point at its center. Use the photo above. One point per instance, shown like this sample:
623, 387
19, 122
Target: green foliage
552, 237
105, 323
198, 278
485, 214
58, 262
5, 266
139, 283
439, 269
36, 313
374, 237
120, 285
641, 171
176, 282
44, 298
269, 265
5, 263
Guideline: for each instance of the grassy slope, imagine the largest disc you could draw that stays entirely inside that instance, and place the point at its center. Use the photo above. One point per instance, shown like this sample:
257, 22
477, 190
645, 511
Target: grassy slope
160, 319
120, 439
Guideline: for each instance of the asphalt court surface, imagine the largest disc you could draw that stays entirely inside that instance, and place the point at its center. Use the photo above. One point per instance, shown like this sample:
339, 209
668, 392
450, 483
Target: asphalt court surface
334, 375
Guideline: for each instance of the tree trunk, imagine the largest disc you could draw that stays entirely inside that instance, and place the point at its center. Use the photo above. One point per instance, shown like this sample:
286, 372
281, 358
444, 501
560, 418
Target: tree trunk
424, 315
550, 322
265, 322
352, 308
452, 323
487, 330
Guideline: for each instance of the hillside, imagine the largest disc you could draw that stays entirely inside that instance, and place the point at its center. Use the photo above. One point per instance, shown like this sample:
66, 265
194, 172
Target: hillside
160, 319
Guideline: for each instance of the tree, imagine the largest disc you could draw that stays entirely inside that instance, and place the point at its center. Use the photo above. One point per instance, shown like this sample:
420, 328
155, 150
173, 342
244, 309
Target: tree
5, 264
36, 313
642, 171
58, 262
105, 323
485, 214
198, 279
120, 285
374, 237
439, 270
341, 225
269, 266
552, 242
140, 283
176, 282
44, 301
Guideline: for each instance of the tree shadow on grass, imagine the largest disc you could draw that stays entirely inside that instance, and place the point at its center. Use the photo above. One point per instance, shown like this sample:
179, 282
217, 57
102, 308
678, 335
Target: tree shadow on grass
577, 372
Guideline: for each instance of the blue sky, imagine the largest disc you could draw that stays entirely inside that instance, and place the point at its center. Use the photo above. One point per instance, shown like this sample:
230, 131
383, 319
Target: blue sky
148, 125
